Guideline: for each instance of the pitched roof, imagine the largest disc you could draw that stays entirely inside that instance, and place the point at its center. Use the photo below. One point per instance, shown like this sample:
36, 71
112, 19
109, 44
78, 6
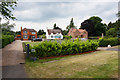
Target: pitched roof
31, 30
54, 31
80, 30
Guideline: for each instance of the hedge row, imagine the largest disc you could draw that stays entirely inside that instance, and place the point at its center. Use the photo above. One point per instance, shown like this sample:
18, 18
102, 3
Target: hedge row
108, 41
47, 49
7, 39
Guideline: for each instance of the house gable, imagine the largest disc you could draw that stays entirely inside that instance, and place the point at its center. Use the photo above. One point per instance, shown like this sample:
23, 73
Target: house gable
75, 33
27, 34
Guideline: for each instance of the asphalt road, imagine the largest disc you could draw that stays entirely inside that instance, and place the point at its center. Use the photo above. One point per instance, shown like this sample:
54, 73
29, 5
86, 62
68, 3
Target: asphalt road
12, 56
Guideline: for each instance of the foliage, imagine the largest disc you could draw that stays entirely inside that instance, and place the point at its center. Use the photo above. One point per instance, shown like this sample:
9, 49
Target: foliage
113, 28
56, 27
18, 32
67, 37
42, 36
6, 28
64, 32
108, 41
71, 25
6, 7
47, 49
7, 39
111, 32
94, 26
41, 32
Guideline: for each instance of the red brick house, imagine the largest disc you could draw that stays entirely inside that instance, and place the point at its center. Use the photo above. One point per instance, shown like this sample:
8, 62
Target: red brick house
75, 33
27, 34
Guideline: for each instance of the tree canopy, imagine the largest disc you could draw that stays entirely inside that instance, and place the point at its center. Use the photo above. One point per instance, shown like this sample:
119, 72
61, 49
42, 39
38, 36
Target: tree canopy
56, 27
71, 25
5, 9
113, 28
41, 32
94, 26
6, 28
111, 32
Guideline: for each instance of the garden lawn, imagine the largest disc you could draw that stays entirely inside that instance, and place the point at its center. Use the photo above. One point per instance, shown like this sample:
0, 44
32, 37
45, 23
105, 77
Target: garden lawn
99, 64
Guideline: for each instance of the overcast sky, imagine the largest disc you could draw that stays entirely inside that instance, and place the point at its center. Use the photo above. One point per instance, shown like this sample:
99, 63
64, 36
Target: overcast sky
41, 14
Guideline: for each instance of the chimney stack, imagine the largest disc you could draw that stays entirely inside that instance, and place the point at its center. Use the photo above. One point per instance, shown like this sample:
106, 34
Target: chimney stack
21, 28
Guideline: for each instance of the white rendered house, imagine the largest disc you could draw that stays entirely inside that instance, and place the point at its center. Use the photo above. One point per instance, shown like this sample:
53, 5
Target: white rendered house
54, 34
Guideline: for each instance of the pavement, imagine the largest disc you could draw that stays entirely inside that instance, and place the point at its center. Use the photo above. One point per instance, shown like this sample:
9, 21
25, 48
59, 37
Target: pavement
109, 48
12, 56
14, 71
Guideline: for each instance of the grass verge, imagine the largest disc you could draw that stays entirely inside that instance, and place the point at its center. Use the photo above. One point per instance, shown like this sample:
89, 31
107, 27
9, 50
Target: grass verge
100, 64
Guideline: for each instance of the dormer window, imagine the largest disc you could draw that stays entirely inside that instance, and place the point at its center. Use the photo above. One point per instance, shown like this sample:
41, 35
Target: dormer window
33, 32
25, 32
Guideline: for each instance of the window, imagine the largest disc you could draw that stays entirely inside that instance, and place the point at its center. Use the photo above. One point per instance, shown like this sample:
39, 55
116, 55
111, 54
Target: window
33, 32
52, 36
58, 36
25, 36
25, 32
33, 37
18, 36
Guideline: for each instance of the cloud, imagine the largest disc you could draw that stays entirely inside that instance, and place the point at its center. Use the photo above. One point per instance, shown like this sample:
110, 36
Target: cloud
40, 15
68, 0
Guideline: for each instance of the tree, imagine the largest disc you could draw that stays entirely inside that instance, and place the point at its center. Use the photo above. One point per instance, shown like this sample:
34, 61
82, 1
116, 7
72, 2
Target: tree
89, 26
109, 25
6, 6
54, 27
111, 32
71, 25
41, 32
6, 28
18, 32
94, 26
64, 32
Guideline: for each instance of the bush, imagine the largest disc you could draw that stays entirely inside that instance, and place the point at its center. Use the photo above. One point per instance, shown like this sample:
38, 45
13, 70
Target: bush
112, 32
108, 41
67, 47
7, 39
67, 37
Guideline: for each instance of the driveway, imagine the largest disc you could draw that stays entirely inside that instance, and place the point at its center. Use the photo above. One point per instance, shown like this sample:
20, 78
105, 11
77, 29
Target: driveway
12, 56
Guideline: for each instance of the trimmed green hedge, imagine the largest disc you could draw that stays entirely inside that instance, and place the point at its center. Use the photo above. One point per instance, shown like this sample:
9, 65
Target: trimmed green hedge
7, 39
47, 49
108, 41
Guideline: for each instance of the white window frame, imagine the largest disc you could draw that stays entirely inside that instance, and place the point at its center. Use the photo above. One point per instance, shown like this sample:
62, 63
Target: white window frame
25, 37
33, 32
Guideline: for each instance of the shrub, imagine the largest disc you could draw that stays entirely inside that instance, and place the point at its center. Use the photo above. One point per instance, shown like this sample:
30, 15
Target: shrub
7, 39
112, 32
67, 47
67, 37
108, 41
